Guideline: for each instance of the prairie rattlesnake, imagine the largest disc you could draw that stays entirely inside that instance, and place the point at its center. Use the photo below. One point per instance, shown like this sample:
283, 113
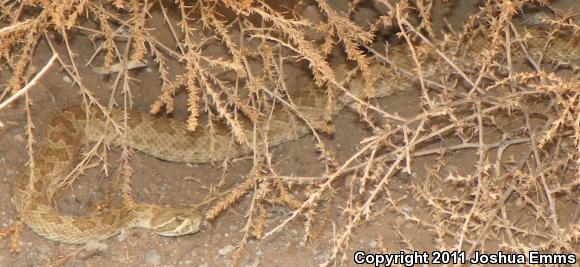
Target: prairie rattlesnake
169, 140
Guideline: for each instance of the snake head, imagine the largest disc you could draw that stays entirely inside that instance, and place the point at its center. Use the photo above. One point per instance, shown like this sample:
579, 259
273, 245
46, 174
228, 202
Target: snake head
172, 221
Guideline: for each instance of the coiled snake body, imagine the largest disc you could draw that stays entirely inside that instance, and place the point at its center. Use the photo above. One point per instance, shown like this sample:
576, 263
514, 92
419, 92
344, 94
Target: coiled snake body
167, 139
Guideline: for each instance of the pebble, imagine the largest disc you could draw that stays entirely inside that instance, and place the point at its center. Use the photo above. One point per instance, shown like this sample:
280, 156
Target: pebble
153, 258
321, 255
66, 79
226, 250
42, 249
407, 209
163, 188
256, 263
121, 236
95, 247
19, 138
520, 202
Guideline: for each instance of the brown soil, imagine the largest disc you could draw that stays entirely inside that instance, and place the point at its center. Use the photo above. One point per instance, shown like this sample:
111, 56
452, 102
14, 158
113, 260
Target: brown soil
163, 182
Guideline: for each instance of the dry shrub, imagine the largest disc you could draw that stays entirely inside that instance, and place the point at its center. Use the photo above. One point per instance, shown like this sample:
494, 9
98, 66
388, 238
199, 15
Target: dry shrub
468, 103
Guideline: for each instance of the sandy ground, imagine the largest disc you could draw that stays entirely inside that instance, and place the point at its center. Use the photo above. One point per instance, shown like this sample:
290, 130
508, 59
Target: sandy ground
169, 183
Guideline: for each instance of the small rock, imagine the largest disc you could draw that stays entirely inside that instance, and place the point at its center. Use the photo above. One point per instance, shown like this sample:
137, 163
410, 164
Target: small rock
163, 188
321, 255
520, 202
19, 138
66, 79
226, 250
42, 249
92, 248
256, 263
96, 247
373, 243
122, 235
407, 209
153, 258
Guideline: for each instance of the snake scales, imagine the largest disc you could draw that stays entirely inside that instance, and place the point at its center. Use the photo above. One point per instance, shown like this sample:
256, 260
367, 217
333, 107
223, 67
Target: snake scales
169, 140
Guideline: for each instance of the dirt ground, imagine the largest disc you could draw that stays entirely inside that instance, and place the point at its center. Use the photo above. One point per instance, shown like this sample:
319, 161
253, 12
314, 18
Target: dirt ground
160, 182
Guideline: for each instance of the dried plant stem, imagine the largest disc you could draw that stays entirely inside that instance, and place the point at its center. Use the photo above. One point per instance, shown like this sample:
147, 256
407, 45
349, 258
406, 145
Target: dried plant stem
30, 84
